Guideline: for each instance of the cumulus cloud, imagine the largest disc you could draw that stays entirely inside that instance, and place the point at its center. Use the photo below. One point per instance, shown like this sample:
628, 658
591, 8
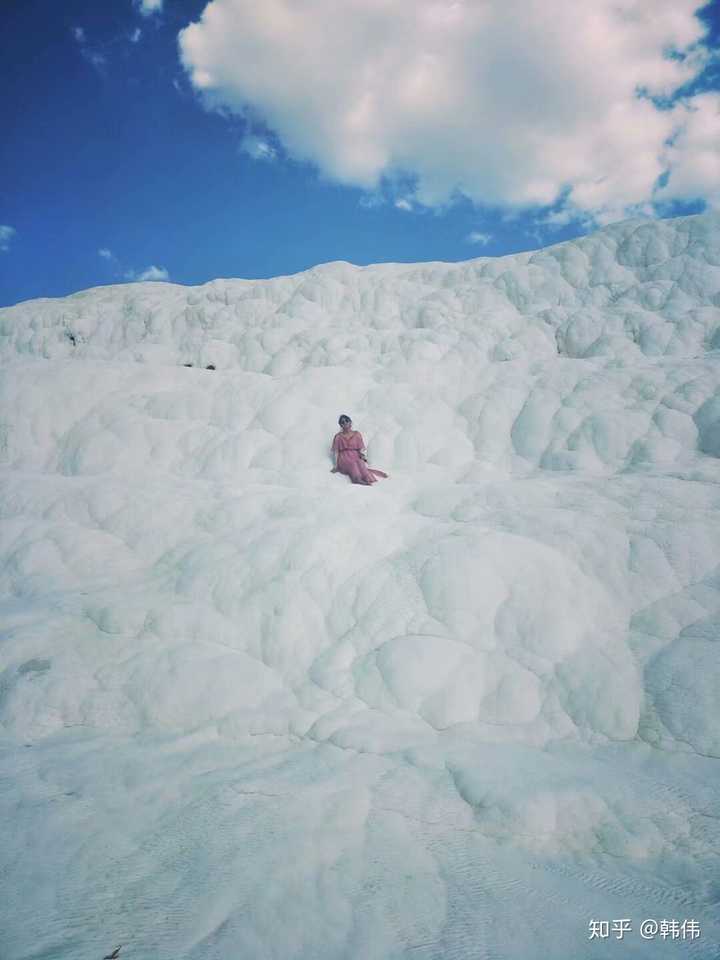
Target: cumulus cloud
6, 235
149, 273
258, 148
148, 7
135, 35
500, 102
693, 157
476, 237
402, 203
79, 34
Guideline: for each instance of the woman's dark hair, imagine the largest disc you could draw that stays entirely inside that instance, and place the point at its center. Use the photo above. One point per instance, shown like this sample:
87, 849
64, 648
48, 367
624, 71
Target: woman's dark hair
343, 418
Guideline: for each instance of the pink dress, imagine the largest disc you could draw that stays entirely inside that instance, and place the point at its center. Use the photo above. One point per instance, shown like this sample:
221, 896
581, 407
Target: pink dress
347, 446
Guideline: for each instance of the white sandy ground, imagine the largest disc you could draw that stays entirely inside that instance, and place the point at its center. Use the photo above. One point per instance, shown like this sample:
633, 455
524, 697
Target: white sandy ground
250, 710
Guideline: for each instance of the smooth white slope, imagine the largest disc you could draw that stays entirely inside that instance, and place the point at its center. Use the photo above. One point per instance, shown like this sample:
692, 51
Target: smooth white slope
252, 710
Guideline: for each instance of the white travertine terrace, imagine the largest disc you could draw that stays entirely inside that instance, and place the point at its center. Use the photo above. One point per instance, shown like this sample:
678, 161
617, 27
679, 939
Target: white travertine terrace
251, 710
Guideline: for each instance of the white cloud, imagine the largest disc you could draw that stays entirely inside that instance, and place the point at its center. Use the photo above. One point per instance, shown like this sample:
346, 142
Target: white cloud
79, 34
135, 35
149, 273
476, 237
694, 156
404, 204
504, 103
565, 215
6, 235
258, 148
148, 7
559, 218
154, 273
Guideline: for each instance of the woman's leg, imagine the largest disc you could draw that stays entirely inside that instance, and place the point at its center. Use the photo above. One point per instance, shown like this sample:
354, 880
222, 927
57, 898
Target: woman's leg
369, 475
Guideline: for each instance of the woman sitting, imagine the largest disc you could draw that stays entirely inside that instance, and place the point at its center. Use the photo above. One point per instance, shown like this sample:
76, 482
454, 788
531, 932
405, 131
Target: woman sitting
348, 448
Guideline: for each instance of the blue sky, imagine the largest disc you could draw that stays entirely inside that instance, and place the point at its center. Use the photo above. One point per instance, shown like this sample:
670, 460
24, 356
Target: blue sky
271, 137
